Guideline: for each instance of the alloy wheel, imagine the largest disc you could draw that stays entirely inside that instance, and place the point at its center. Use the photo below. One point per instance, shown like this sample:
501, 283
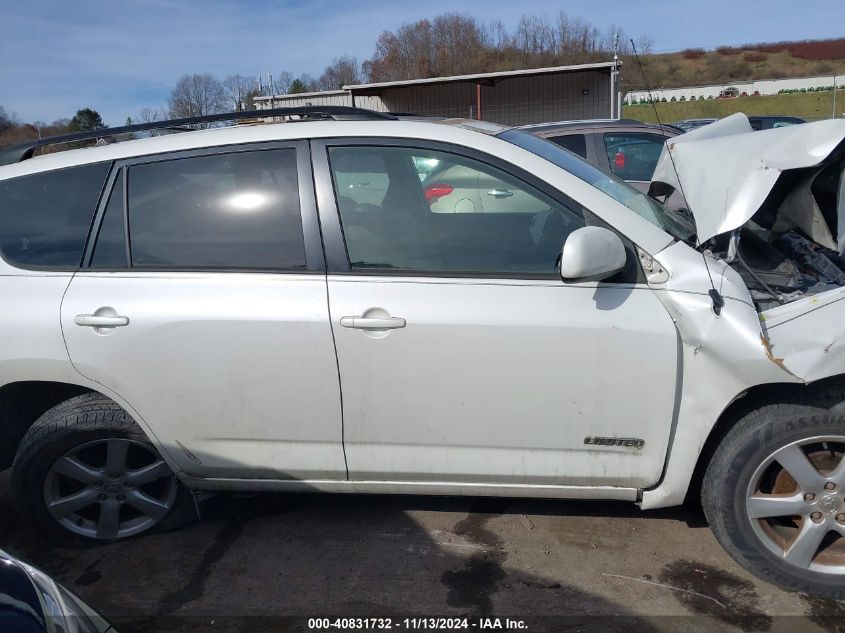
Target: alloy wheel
795, 503
110, 489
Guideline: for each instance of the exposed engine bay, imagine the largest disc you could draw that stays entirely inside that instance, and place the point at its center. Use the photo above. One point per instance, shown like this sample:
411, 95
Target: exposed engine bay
789, 249
782, 267
770, 204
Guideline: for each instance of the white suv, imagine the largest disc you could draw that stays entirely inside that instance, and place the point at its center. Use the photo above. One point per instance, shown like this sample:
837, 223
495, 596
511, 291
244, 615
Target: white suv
278, 307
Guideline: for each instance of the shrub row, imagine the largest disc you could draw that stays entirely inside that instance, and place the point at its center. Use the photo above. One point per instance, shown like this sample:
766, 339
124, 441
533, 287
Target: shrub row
789, 91
783, 91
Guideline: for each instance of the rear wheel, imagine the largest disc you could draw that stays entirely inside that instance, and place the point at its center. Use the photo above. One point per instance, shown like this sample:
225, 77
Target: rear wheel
86, 470
774, 495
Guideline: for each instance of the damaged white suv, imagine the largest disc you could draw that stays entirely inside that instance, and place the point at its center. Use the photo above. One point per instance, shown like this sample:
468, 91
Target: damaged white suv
314, 305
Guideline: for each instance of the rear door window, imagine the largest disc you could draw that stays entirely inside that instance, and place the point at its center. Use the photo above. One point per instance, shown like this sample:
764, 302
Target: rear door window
110, 247
45, 217
633, 155
224, 211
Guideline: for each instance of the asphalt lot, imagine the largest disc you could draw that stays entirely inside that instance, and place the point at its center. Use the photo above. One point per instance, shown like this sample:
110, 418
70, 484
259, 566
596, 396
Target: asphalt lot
269, 562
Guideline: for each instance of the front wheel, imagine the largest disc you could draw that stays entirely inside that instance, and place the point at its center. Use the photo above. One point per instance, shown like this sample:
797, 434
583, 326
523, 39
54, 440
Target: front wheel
774, 495
85, 469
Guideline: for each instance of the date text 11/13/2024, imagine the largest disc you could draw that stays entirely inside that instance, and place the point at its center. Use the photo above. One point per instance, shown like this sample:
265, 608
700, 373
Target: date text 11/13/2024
417, 623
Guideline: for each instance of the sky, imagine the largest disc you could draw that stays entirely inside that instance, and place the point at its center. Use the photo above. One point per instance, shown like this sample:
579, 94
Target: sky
119, 56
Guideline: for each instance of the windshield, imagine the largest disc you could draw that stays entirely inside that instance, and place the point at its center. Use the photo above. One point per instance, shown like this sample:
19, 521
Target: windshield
641, 204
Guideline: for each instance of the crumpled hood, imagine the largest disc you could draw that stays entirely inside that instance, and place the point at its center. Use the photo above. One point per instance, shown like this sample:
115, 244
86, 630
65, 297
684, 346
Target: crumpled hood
727, 170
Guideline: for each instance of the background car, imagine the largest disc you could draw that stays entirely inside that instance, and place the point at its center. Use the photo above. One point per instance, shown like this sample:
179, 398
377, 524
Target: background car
32, 602
757, 122
626, 148
457, 188
690, 124
768, 122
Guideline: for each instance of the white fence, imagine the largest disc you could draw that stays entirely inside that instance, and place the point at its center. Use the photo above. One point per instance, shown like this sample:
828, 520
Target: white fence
762, 86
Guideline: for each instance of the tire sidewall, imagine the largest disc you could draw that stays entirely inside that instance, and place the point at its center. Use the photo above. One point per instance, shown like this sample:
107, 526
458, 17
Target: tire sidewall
727, 480
51, 437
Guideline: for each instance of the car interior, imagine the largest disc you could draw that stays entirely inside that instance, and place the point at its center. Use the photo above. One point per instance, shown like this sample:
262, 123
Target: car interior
398, 229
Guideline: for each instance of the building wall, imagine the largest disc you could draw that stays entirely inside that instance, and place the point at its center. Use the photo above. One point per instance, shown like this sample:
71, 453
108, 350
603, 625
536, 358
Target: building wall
512, 101
331, 98
763, 86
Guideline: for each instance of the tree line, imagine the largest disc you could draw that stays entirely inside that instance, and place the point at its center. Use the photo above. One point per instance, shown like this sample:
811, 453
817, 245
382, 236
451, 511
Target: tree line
455, 44
12, 130
448, 44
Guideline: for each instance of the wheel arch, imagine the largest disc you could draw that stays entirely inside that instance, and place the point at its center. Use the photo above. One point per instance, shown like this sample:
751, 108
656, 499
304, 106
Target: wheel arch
819, 391
23, 402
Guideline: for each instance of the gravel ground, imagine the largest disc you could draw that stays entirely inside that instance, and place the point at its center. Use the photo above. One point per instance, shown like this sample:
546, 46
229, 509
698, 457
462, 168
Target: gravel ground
271, 562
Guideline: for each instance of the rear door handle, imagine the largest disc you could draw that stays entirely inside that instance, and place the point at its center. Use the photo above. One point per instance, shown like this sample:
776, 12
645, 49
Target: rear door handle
500, 193
93, 320
372, 323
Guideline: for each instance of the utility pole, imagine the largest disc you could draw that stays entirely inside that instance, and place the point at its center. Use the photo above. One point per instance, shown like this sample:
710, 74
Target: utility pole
615, 109
834, 97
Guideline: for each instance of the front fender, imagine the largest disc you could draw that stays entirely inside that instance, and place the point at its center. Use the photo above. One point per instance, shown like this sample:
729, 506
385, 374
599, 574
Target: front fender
722, 356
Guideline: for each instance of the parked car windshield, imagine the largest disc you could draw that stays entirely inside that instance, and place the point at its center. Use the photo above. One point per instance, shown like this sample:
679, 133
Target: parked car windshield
641, 204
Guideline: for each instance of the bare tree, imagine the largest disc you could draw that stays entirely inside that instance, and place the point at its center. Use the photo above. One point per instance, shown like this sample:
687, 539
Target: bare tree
459, 42
343, 71
282, 81
309, 82
454, 44
537, 40
240, 91
449, 44
197, 95
497, 35
645, 44
151, 115
6, 121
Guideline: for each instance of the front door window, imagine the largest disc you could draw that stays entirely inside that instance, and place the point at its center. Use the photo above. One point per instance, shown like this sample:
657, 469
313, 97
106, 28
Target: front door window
458, 215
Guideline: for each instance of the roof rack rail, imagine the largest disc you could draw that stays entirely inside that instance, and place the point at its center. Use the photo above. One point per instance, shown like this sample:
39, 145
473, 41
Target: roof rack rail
23, 151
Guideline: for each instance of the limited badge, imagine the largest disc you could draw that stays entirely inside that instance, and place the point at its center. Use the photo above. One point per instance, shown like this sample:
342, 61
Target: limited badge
627, 442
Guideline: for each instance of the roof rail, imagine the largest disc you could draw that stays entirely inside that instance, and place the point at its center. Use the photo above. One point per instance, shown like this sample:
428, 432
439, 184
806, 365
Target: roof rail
23, 151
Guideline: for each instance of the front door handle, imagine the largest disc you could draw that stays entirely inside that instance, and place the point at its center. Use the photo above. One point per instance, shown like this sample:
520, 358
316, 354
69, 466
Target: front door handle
94, 320
372, 323
500, 193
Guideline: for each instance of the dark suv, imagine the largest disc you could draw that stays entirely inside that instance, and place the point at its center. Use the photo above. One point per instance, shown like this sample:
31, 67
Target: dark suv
626, 148
769, 122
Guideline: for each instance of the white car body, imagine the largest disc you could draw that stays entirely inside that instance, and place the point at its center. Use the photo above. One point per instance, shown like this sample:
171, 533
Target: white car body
250, 381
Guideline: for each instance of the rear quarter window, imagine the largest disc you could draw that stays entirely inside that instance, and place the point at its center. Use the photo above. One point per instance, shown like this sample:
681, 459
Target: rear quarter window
45, 217
575, 143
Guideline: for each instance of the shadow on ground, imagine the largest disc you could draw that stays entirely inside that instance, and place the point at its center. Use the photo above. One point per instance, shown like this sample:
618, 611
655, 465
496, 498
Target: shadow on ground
270, 562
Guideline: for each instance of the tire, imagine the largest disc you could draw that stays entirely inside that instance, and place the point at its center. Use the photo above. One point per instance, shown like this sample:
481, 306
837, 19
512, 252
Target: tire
61, 463
773, 494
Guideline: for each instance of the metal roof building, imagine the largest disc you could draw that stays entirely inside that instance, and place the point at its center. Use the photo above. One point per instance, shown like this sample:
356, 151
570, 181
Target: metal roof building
517, 97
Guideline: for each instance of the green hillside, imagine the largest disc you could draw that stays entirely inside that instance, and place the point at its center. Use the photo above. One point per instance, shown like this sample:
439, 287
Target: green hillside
732, 64
810, 106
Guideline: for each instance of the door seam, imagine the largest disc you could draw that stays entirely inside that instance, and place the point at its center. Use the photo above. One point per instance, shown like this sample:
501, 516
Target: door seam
339, 382
329, 308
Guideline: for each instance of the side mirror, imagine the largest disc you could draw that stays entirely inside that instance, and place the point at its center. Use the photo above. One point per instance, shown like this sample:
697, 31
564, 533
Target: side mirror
591, 253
